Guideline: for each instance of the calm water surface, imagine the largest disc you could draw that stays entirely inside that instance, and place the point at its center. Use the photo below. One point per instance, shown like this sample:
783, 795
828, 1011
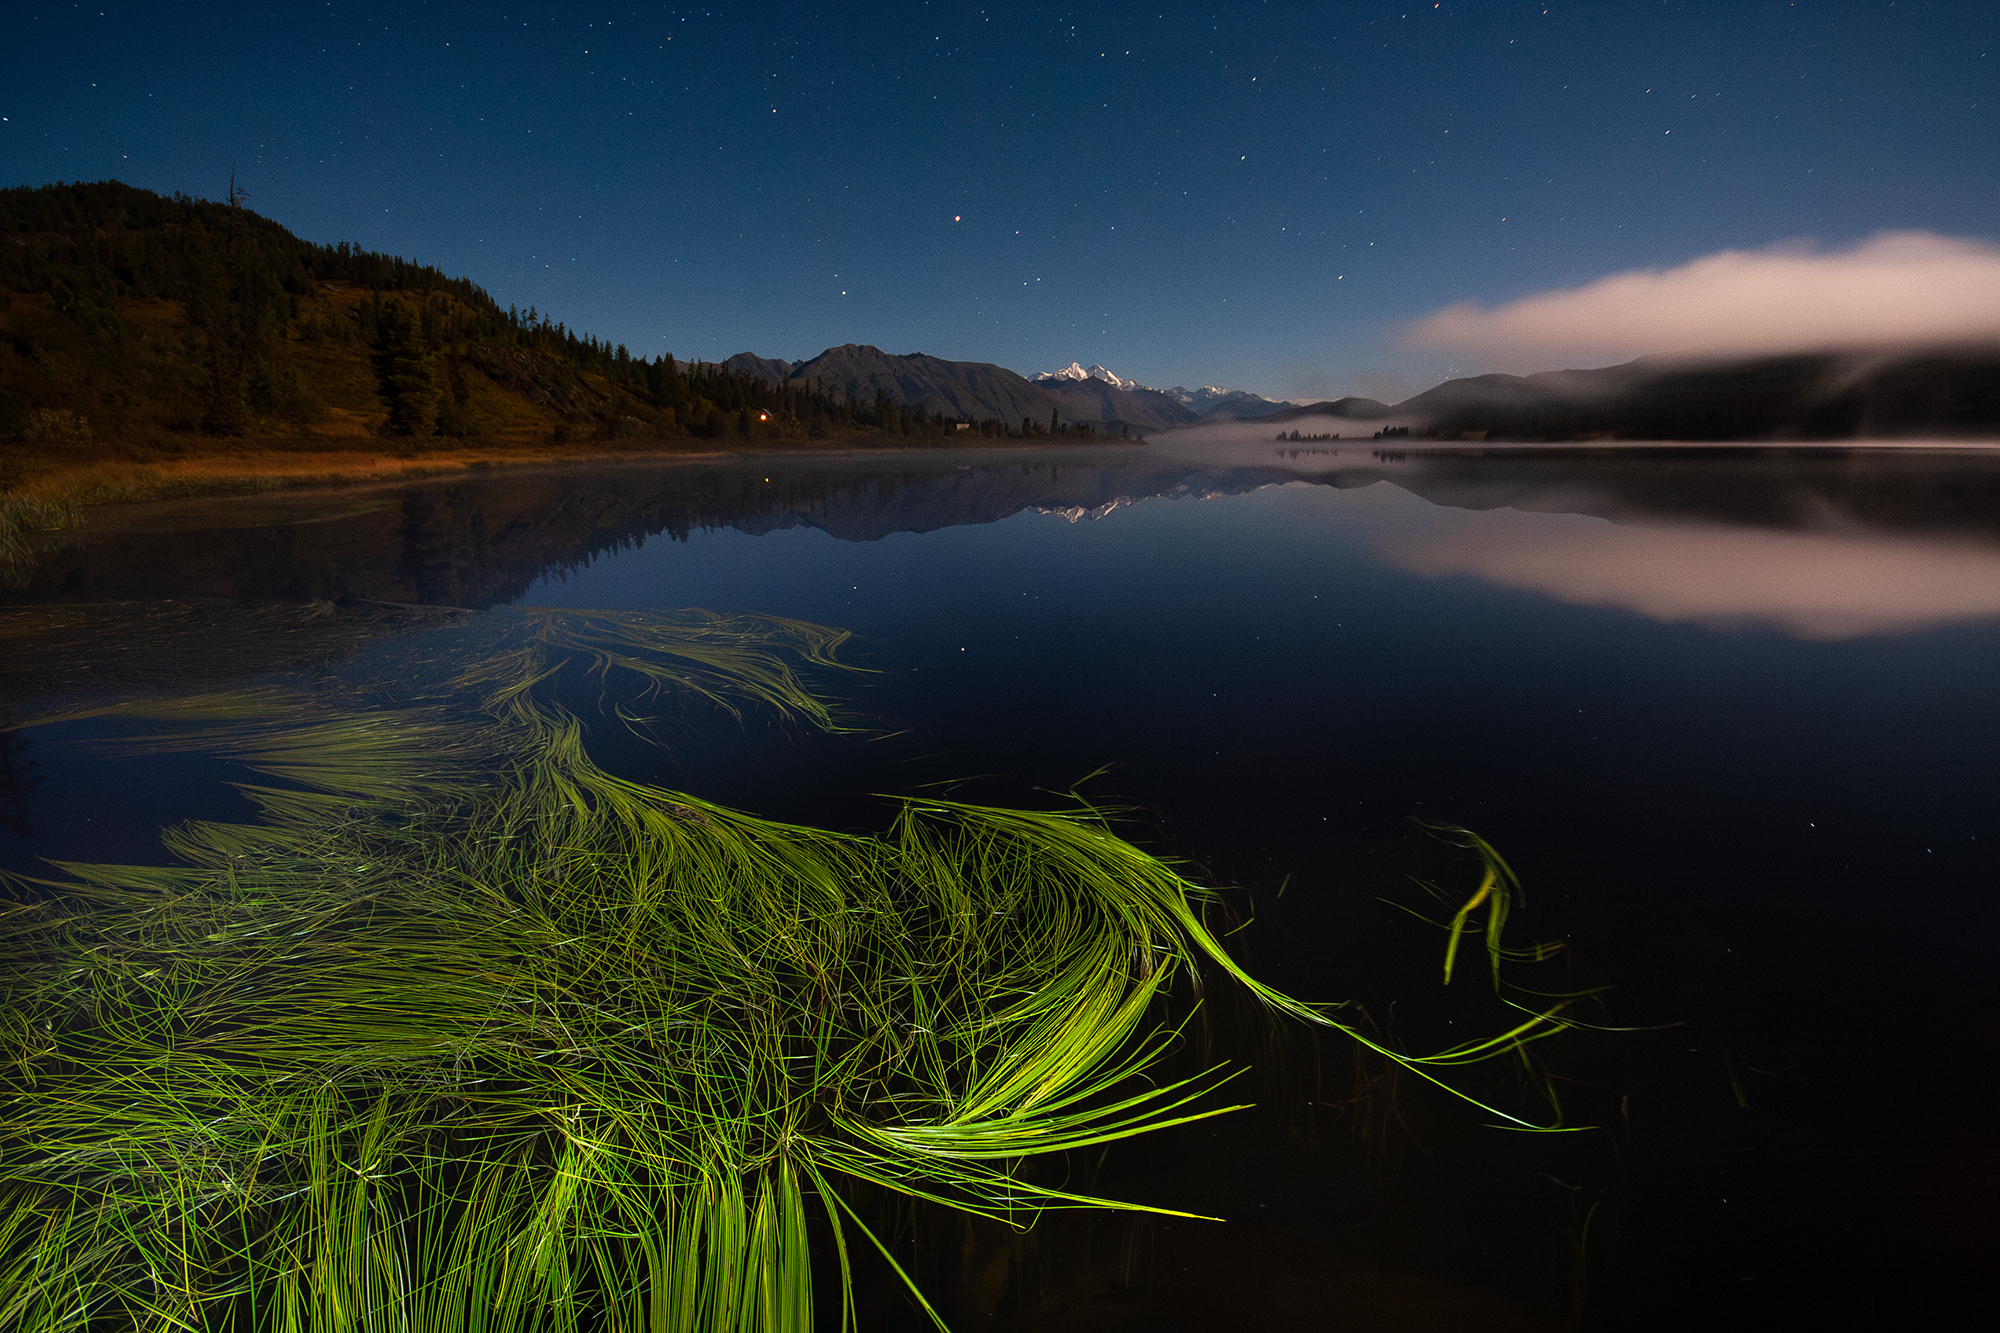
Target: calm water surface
1730, 713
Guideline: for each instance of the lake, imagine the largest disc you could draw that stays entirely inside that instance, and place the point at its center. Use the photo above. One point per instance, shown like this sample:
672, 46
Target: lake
1729, 713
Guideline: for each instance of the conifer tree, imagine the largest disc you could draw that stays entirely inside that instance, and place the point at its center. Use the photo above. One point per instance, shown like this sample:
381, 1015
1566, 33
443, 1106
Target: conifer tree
408, 380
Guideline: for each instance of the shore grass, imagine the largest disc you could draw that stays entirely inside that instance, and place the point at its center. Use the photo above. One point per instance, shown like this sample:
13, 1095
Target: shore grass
95, 481
251, 467
22, 518
468, 1033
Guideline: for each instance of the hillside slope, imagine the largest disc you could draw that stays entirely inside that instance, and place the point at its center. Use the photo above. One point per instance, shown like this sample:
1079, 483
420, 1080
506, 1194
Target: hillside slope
139, 329
973, 389
1926, 392
1094, 400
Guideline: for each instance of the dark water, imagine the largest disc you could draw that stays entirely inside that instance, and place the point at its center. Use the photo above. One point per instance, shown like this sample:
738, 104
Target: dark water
1730, 713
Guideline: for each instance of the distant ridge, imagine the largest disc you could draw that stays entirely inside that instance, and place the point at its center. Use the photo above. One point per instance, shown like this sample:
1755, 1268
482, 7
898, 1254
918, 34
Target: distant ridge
1348, 409
963, 389
970, 390
1833, 395
771, 372
1231, 404
1085, 387
1074, 373
1098, 400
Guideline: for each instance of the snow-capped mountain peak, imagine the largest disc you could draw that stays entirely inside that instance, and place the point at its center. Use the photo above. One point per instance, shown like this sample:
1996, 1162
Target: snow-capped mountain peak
1209, 398
1210, 395
1100, 373
1075, 371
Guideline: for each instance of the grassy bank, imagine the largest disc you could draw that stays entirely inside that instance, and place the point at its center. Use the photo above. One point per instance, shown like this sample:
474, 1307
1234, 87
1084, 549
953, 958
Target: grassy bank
96, 481
250, 468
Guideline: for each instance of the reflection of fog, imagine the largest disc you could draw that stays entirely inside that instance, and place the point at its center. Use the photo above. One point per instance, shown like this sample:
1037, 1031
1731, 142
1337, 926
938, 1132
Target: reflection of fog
1814, 585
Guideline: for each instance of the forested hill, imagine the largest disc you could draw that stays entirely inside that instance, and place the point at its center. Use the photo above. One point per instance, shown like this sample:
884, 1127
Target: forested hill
137, 325
1940, 392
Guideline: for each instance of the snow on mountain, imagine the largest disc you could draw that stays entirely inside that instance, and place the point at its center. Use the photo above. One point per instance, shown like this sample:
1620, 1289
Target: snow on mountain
1237, 402
1075, 371
1208, 398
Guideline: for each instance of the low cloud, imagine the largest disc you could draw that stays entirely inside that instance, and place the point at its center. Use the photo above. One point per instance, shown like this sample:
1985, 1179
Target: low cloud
1894, 288
1812, 585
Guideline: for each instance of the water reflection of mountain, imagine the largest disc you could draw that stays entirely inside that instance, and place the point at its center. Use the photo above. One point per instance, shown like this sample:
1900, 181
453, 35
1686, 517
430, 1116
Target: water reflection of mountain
178, 645
1941, 492
482, 540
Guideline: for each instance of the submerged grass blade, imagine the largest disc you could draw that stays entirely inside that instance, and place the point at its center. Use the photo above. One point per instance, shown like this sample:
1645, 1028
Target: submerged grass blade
471, 1034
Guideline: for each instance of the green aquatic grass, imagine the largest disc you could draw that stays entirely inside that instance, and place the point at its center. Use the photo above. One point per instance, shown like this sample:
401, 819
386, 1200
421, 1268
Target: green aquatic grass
468, 1033
21, 517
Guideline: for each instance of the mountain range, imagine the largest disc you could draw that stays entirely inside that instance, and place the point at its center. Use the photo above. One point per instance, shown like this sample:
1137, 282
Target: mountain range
963, 390
980, 390
1206, 401
1944, 390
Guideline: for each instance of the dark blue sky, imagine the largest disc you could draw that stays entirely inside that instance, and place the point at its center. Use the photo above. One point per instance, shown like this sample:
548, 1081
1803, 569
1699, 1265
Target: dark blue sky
1254, 195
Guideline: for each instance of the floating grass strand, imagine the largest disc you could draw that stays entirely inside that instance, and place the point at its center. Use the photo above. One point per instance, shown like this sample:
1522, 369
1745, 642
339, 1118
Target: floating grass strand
1499, 889
470, 1034
724, 659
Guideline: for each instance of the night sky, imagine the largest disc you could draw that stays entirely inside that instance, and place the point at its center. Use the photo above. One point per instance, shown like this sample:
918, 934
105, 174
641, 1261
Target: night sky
1262, 196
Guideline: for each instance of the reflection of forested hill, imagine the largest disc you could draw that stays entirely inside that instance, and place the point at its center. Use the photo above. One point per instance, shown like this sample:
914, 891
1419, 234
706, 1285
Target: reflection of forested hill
71, 651
484, 539
1952, 491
